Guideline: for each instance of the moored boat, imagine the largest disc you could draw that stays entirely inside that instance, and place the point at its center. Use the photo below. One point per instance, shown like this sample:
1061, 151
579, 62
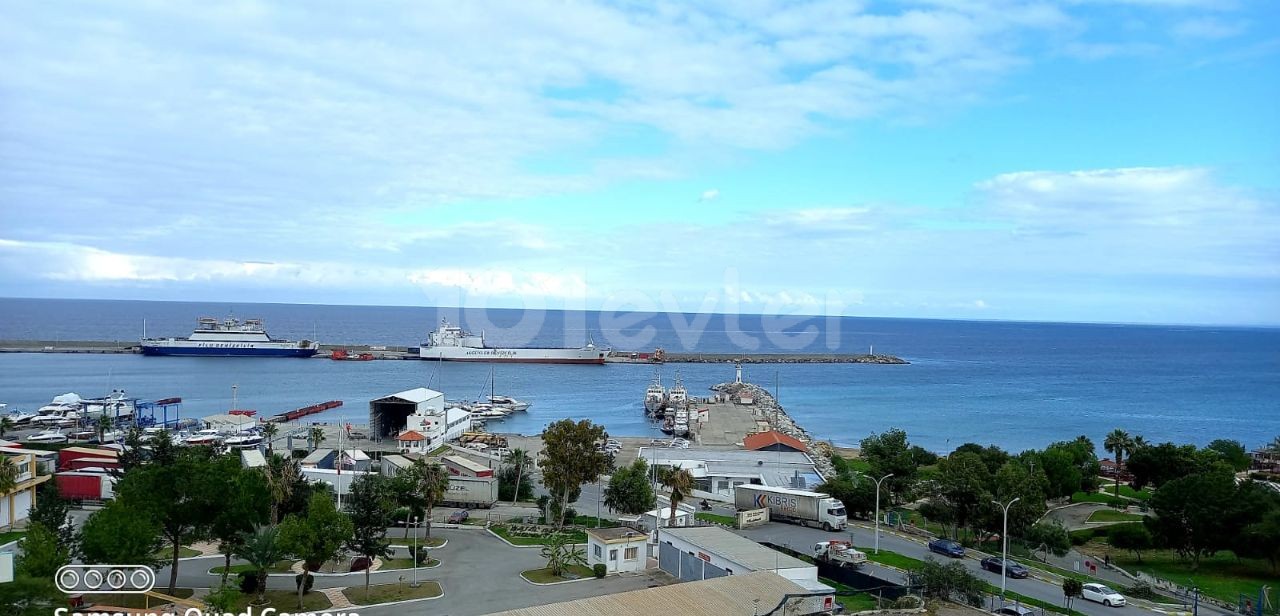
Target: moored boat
452, 343
229, 337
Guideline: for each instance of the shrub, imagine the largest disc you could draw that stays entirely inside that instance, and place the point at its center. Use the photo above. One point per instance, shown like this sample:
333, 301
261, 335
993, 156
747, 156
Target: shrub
310, 581
1081, 537
906, 602
248, 582
600, 570
1142, 590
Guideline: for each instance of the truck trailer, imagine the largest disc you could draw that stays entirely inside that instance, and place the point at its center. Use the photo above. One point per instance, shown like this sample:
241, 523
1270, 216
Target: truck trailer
471, 492
796, 506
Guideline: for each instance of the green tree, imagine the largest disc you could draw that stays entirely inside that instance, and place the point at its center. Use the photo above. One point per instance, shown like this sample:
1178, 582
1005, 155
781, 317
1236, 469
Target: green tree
8, 474
1154, 465
40, 554
431, 484
1191, 513
629, 490
6, 424
509, 477
1133, 537
182, 497
858, 496
1230, 452
1052, 535
1261, 539
1013, 480
569, 458
244, 502
31, 596
947, 582
1071, 588
103, 425
269, 432
222, 600
314, 537
992, 456
561, 553
891, 453
370, 506
520, 460
118, 534
963, 479
261, 549
315, 436
52, 510
1119, 443
282, 476
680, 482
1060, 468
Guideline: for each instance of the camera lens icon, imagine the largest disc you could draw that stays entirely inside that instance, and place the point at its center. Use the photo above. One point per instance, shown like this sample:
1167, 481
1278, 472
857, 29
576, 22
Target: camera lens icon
132, 579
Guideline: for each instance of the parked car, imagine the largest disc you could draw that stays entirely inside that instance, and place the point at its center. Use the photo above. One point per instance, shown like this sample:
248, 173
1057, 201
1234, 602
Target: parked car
1100, 593
947, 547
1014, 610
1012, 569
458, 517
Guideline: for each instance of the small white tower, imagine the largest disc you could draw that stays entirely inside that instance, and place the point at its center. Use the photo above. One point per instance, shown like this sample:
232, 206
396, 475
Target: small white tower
737, 370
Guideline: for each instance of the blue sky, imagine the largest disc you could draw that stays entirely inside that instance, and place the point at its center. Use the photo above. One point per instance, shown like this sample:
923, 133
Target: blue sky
1087, 160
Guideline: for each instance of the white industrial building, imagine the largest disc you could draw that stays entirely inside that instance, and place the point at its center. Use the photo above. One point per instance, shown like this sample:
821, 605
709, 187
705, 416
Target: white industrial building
388, 414
701, 552
717, 471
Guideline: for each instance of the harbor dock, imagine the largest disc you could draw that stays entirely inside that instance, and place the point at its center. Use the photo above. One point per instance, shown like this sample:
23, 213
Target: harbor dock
381, 352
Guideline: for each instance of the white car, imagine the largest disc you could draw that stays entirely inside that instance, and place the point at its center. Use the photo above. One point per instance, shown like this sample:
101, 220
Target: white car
1101, 594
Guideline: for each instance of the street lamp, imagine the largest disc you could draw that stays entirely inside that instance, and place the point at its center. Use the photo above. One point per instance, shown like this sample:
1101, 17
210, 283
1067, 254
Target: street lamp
878, 508
415, 552
1004, 537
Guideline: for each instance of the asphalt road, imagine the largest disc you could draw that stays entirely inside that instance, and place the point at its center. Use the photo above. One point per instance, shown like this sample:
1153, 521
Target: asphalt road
802, 539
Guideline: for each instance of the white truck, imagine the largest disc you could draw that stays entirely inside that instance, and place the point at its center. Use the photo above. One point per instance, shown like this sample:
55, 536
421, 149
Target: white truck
796, 506
840, 553
471, 492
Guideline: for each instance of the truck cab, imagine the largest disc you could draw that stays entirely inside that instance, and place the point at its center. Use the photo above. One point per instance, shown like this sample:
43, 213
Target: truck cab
832, 514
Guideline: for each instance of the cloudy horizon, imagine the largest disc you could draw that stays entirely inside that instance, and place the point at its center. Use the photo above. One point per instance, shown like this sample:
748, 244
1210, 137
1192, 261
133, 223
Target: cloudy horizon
1086, 160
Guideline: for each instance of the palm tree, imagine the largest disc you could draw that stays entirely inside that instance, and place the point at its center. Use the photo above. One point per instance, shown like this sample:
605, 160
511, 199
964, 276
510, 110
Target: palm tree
6, 424
103, 425
680, 482
561, 553
433, 482
269, 431
316, 436
281, 475
520, 459
1119, 443
8, 477
261, 551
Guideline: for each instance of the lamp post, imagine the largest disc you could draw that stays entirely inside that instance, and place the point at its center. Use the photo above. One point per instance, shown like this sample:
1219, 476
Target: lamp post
415, 551
1004, 538
877, 549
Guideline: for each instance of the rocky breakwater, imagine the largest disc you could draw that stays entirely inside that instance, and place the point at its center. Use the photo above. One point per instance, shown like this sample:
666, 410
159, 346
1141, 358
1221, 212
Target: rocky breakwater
768, 409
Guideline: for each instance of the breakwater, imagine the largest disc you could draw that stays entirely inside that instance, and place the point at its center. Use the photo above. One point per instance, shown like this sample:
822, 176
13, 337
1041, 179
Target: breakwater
381, 352
766, 407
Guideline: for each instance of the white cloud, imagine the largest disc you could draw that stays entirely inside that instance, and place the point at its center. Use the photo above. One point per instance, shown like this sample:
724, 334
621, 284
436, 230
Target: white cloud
1208, 28
709, 195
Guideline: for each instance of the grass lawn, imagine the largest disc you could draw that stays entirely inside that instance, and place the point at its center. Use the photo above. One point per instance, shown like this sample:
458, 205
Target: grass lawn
439, 450
183, 552
1096, 497
1220, 576
891, 559
716, 519
405, 563
12, 535
284, 601
543, 575
852, 600
426, 542
576, 536
131, 600
1126, 491
386, 593
1107, 515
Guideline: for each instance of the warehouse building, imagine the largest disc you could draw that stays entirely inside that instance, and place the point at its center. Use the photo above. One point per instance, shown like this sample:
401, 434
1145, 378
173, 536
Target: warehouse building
702, 552
388, 414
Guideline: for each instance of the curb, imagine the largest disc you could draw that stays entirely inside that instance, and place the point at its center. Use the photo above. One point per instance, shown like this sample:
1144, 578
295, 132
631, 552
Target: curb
409, 545
581, 579
358, 607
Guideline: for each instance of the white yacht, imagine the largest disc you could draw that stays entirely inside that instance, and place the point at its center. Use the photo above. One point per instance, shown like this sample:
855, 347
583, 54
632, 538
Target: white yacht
48, 436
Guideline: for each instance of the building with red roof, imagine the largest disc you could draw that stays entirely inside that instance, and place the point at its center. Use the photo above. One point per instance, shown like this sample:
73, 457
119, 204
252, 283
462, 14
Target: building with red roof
773, 440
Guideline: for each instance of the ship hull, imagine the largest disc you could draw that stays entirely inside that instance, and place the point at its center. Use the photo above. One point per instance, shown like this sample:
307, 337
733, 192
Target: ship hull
514, 356
195, 351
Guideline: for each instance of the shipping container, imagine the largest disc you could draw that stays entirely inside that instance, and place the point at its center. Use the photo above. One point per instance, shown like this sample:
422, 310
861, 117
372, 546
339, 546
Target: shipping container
796, 506
471, 492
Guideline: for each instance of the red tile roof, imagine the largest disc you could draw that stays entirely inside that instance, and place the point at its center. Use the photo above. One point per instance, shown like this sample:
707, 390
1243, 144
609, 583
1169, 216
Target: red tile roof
760, 440
410, 435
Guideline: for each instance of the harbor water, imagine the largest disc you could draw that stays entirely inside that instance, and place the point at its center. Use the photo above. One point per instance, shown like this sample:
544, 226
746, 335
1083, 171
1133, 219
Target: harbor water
1019, 385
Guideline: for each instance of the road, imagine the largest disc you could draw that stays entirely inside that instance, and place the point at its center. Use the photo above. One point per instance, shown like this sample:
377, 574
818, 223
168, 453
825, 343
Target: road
801, 539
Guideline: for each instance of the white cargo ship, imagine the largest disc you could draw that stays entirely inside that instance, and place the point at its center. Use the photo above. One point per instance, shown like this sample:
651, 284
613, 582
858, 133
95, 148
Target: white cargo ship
452, 343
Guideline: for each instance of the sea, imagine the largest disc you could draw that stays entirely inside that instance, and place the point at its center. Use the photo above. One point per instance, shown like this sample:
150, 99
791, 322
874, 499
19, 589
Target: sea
1018, 385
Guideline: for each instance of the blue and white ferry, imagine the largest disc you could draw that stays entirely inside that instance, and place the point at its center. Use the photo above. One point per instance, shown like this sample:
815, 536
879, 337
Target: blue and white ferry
229, 337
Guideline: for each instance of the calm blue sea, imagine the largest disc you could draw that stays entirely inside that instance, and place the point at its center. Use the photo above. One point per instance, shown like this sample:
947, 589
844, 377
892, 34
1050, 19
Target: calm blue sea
1018, 385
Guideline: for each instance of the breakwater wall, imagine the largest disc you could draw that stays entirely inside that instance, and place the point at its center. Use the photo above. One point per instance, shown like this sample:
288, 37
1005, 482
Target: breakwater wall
772, 412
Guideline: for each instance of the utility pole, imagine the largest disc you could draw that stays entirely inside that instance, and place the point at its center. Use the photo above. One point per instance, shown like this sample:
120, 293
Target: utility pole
877, 547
